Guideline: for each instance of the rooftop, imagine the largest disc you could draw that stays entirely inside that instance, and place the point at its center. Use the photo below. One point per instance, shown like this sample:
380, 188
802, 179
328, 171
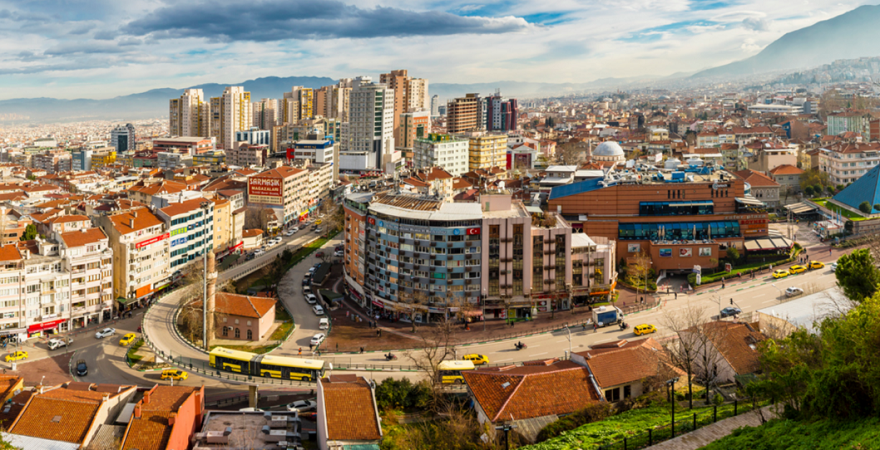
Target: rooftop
349, 409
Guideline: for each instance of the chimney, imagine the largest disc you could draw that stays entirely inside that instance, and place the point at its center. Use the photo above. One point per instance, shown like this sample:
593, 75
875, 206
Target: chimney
106, 398
137, 411
172, 418
131, 223
147, 397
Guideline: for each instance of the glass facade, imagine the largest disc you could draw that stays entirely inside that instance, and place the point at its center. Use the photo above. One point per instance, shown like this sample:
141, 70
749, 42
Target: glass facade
678, 230
694, 208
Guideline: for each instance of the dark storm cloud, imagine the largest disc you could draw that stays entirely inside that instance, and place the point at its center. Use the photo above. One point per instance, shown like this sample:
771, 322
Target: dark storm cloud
275, 20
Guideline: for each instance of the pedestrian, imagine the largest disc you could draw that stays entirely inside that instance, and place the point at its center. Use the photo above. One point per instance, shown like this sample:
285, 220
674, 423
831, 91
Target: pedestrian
337, 347
377, 333
380, 332
595, 328
642, 300
676, 295
300, 351
311, 346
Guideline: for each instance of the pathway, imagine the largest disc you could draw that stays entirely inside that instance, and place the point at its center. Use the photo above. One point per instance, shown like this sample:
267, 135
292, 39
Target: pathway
715, 431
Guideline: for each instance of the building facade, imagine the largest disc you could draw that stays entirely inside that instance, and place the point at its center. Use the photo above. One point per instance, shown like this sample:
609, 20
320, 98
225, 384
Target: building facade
191, 230
190, 115
232, 113
464, 114
486, 150
283, 190
370, 137
442, 150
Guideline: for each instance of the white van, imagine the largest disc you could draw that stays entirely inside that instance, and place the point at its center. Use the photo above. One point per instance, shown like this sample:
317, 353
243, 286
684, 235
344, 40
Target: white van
324, 324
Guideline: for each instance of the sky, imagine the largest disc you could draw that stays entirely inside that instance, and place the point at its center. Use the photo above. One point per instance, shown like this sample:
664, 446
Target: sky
105, 48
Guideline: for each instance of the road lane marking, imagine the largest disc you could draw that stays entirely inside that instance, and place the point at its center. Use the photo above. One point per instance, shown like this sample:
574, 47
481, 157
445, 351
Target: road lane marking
539, 354
503, 360
759, 295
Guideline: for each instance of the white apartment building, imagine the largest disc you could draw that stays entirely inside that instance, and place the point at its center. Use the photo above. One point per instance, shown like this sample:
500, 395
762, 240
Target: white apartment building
284, 190
191, 225
170, 161
442, 150
847, 162
230, 113
140, 244
189, 115
86, 254
370, 133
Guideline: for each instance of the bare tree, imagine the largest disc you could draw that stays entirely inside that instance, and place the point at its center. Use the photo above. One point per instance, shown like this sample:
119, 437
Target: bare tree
437, 344
190, 317
684, 350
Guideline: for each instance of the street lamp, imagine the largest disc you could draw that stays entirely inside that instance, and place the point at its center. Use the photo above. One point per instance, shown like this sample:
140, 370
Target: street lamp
569, 339
205, 206
670, 387
777, 288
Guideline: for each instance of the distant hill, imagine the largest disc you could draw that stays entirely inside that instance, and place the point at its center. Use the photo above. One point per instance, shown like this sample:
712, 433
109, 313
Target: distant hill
851, 35
152, 103
526, 89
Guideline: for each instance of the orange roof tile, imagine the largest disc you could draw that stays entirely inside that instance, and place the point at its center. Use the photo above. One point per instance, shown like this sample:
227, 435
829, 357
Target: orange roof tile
57, 419
142, 217
624, 362
735, 341
83, 237
512, 395
188, 206
756, 179
152, 430
242, 305
350, 411
786, 169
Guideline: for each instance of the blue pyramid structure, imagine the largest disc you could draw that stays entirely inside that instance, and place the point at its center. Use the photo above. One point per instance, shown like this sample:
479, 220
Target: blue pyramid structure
865, 189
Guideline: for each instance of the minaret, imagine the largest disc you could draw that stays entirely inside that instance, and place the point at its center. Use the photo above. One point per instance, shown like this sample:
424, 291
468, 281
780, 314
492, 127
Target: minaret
210, 292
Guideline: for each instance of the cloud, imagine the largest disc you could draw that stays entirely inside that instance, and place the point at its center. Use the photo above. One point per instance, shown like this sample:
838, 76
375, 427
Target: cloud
27, 56
83, 48
756, 24
749, 46
276, 20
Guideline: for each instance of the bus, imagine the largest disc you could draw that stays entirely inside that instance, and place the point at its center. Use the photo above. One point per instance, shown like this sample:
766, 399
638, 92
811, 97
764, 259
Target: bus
266, 365
450, 371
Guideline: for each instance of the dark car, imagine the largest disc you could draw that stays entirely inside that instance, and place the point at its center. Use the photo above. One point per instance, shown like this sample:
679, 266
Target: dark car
250, 256
319, 255
81, 368
730, 311
307, 281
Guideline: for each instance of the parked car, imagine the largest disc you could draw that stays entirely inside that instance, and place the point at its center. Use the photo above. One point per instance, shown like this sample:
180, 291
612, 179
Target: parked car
289, 233
816, 264
730, 311
127, 339
81, 368
16, 356
174, 374
797, 269
339, 253
833, 266
319, 255
55, 344
793, 291
307, 290
251, 409
311, 299
250, 256
324, 323
294, 229
644, 329
105, 332
312, 270
307, 281
780, 273
302, 405
317, 339
318, 310
259, 252
339, 248
318, 230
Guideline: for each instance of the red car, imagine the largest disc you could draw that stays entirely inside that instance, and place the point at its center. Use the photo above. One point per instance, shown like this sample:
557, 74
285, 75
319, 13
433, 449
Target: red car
319, 254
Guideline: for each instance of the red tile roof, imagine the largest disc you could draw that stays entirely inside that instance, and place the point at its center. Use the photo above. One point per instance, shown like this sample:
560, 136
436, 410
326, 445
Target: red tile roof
786, 169
737, 343
185, 207
756, 179
9, 253
350, 410
152, 430
242, 305
142, 218
83, 237
529, 392
622, 362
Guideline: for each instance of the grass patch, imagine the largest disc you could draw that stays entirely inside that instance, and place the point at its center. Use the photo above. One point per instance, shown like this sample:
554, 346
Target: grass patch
282, 331
744, 268
825, 434
132, 355
844, 212
629, 423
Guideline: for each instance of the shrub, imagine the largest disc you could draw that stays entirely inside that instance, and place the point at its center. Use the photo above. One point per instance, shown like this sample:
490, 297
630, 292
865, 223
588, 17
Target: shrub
393, 394
589, 414
717, 399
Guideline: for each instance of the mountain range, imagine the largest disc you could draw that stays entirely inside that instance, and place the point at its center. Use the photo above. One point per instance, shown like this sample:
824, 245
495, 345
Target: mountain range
851, 35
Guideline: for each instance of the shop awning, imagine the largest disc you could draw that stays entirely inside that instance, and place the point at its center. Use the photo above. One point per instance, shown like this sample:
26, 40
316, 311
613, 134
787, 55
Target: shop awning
125, 301
749, 201
766, 244
800, 208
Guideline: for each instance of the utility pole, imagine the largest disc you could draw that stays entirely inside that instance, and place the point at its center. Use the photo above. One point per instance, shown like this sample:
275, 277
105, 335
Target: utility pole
205, 208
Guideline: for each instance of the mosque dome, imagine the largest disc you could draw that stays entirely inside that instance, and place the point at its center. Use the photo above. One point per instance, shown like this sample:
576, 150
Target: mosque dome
608, 148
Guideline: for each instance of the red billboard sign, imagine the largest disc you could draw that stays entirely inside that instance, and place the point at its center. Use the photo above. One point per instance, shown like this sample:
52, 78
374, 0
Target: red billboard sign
371, 221
264, 186
291, 153
152, 240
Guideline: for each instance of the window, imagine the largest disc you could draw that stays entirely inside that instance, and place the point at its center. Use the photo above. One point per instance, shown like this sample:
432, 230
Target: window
250, 336
611, 395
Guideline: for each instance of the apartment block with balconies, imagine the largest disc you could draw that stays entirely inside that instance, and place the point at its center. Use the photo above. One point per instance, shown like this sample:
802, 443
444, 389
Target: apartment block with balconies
88, 257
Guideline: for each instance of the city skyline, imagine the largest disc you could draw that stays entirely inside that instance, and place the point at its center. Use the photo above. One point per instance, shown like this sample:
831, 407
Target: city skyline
77, 50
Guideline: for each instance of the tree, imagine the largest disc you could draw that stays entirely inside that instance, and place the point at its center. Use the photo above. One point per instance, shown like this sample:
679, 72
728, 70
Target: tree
808, 191
857, 274
637, 271
732, 254
30, 233
685, 351
814, 177
437, 344
865, 207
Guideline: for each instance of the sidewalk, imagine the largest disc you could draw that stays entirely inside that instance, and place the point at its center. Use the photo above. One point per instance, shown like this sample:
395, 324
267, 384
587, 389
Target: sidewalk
710, 433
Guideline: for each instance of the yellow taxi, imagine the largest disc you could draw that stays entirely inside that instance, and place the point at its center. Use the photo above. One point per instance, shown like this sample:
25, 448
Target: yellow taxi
318, 222
644, 328
780, 273
15, 356
174, 374
797, 268
127, 339
816, 264
477, 359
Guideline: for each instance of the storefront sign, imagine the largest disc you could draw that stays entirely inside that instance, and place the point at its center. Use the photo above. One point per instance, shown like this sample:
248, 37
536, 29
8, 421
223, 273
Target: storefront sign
152, 240
264, 186
36, 328
236, 246
378, 303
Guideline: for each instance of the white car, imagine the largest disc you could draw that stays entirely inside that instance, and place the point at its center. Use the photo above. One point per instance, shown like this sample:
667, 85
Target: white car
324, 324
259, 252
318, 310
105, 332
307, 290
313, 269
311, 299
317, 339
302, 405
289, 233
793, 291
339, 253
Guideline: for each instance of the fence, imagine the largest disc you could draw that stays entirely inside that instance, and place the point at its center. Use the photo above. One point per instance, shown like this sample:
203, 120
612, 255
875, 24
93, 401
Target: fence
685, 424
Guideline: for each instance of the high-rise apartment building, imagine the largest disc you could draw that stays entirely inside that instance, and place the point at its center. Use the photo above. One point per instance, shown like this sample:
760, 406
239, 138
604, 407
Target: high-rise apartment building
233, 112
435, 106
413, 126
410, 94
123, 138
303, 109
190, 115
370, 133
322, 97
501, 113
266, 113
486, 150
464, 114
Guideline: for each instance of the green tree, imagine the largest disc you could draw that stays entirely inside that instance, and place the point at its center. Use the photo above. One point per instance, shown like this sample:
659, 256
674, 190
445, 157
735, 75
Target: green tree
809, 191
732, 254
865, 207
857, 274
30, 233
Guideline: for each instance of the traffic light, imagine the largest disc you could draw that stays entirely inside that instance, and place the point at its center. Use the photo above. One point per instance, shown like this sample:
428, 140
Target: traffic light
731, 301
